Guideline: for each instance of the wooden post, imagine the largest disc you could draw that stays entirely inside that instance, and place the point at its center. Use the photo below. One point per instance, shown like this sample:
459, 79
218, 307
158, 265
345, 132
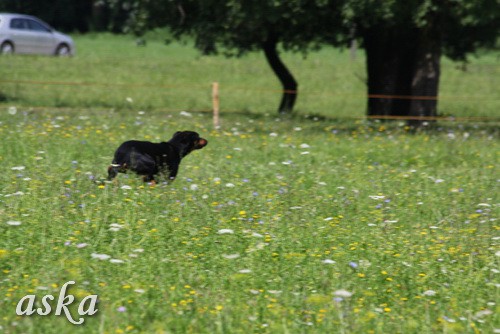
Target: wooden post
215, 103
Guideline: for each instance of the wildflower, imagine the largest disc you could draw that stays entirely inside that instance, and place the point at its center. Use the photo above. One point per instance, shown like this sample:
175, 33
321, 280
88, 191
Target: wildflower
116, 261
342, 293
115, 227
100, 256
376, 197
225, 231
121, 309
483, 313
82, 245
328, 261
193, 187
125, 187
12, 110
231, 256
429, 293
245, 271
353, 265
13, 223
304, 146
273, 134
230, 185
448, 319
18, 168
185, 114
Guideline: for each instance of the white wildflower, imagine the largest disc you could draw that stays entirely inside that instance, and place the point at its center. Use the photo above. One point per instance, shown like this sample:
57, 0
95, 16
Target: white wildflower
231, 256
186, 114
116, 261
342, 293
100, 256
376, 197
328, 261
225, 231
13, 223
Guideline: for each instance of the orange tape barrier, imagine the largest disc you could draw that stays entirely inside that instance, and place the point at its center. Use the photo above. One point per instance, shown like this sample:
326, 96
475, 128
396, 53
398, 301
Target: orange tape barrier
371, 96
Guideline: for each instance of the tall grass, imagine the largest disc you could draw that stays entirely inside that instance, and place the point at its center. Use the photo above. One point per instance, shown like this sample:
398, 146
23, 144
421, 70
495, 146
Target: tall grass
262, 232
112, 71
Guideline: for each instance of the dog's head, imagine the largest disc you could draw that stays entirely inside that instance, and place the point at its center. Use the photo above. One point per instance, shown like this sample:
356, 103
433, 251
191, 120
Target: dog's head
188, 141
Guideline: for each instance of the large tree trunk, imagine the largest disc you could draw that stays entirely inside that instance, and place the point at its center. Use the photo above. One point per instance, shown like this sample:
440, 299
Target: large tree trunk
389, 64
426, 74
286, 78
403, 72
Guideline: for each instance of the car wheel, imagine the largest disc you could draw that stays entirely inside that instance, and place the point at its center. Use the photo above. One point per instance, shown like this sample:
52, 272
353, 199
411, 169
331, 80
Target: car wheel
62, 50
7, 48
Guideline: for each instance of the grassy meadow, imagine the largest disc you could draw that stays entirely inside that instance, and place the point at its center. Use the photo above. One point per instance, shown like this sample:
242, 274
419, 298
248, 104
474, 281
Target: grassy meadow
279, 225
112, 72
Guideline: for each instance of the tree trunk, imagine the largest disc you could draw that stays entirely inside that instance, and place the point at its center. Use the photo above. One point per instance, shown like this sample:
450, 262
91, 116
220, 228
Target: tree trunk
426, 73
286, 78
403, 68
389, 63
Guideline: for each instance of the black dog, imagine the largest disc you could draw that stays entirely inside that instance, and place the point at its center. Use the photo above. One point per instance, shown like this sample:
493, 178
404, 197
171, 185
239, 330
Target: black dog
149, 159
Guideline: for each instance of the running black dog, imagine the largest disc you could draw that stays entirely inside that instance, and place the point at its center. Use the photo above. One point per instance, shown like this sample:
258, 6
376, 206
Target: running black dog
149, 159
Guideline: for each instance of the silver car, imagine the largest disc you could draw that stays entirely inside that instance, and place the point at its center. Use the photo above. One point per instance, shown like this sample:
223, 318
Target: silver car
29, 35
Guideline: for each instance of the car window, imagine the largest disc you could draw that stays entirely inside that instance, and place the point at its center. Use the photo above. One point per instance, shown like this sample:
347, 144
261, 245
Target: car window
19, 24
34, 25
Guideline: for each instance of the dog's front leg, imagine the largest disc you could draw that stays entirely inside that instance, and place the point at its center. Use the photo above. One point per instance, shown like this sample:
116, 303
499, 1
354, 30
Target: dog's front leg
172, 172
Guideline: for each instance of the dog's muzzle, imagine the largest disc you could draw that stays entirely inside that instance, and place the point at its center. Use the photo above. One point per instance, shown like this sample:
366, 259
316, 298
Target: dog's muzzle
201, 143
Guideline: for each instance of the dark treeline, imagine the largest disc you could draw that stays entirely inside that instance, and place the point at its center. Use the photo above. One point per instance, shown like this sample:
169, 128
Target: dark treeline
73, 15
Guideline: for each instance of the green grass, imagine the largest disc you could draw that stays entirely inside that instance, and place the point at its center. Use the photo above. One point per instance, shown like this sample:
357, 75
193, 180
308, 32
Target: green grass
175, 77
430, 227
406, 222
